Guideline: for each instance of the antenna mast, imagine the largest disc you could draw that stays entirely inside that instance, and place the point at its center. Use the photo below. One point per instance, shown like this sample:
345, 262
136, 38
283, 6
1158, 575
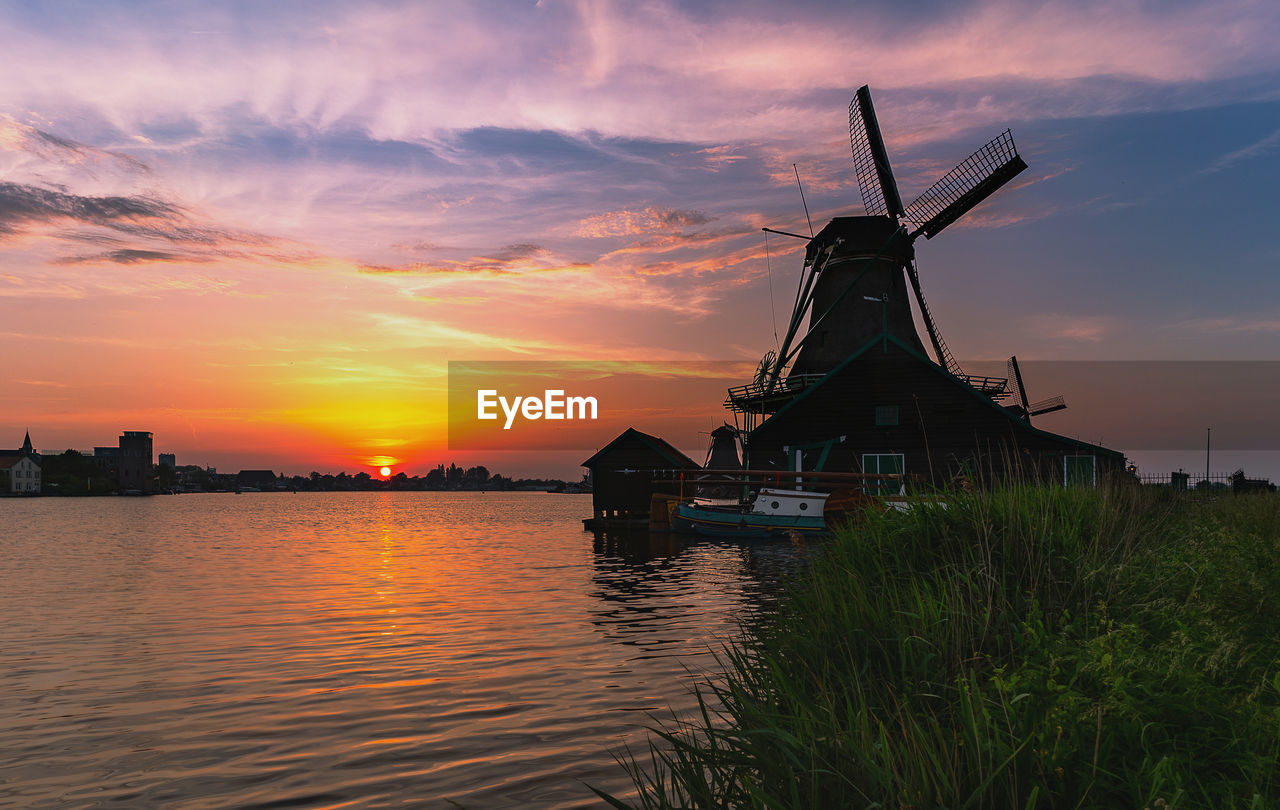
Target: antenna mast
802, 200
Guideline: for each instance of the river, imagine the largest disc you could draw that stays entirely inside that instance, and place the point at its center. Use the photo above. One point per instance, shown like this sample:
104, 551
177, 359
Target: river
325, 650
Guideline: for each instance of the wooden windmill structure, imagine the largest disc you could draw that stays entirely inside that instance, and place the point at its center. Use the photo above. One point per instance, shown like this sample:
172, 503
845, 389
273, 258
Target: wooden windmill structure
854, 388
858, 270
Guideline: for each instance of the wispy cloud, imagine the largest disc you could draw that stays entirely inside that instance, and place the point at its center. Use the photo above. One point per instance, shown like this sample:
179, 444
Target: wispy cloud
134, 256
1244, 324
47, 147
22, 205
1257, 149
1073, 328
130, 223
647, 220
510, 260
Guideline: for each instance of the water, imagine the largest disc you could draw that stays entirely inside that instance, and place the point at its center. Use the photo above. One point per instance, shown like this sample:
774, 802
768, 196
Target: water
346, 650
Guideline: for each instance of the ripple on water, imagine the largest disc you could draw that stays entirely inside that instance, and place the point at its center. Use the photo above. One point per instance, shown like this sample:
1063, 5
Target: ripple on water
346, 649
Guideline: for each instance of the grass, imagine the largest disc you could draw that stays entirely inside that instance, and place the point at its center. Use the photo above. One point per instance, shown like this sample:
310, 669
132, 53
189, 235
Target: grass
1024, 648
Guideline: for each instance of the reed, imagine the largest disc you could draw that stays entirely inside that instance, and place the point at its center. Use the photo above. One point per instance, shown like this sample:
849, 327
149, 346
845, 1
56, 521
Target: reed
1030, 647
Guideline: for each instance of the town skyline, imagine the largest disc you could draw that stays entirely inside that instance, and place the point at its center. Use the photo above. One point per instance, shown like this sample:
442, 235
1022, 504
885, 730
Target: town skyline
262, 232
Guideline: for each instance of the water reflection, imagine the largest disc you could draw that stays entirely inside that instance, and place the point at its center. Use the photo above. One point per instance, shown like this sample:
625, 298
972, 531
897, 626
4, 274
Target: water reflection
361, 649
658, 589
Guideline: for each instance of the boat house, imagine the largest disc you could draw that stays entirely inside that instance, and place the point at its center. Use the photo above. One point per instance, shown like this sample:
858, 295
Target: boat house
623, 473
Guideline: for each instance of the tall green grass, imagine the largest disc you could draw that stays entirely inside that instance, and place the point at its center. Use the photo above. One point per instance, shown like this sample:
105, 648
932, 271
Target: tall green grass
1024, 648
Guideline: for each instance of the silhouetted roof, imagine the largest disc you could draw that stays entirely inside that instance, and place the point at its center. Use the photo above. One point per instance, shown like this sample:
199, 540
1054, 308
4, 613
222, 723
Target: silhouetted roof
964, 388
660, 446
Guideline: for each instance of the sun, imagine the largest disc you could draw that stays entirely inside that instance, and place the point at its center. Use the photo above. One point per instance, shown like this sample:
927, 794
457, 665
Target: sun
385, 471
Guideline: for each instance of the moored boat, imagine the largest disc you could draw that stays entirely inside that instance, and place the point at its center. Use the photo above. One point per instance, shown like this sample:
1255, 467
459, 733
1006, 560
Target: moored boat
773, 512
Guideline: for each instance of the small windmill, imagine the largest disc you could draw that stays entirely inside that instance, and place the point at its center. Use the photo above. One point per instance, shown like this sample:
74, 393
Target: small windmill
857, 269
1027, 409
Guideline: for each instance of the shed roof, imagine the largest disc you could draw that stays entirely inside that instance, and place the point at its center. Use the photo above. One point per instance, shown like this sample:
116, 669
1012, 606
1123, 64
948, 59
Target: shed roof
660, 446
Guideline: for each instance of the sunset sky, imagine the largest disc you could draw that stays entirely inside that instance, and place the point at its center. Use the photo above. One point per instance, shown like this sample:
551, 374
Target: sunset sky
262, 230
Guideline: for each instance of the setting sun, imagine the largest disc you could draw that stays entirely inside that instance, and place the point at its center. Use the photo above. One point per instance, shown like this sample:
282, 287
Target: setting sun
385, 471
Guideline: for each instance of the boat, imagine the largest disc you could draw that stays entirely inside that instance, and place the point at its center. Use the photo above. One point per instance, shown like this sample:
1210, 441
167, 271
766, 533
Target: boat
772, 513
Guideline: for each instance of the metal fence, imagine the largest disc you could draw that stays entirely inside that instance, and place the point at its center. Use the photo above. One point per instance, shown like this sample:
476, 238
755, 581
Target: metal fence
1199, 482
1182, 480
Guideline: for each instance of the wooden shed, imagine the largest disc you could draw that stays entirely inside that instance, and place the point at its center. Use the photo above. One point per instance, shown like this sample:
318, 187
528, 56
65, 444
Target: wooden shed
622, 475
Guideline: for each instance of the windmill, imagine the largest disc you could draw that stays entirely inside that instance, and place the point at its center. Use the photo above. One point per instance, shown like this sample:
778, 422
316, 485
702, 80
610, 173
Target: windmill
857, 270
1027, 409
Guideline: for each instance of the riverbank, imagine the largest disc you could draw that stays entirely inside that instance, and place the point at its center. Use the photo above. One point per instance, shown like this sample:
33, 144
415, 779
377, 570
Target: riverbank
1034, 648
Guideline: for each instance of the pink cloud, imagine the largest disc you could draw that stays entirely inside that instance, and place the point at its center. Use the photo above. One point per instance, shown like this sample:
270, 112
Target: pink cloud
648, 220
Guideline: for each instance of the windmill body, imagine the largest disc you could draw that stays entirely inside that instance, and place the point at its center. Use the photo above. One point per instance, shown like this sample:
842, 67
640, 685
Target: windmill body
854, 386
860, 291
860, 273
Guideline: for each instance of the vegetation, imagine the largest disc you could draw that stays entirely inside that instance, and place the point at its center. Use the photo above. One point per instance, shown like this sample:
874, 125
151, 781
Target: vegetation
73, 473
1026, 648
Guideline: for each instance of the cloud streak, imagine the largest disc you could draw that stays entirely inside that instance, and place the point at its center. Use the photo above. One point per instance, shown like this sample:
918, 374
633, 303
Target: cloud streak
648, 220
22, 205
1260, 148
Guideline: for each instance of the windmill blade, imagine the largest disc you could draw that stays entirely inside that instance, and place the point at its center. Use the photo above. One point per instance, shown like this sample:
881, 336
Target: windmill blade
1015, 374
1047, 406
945, 358
1033, 408
978, 177
870, 161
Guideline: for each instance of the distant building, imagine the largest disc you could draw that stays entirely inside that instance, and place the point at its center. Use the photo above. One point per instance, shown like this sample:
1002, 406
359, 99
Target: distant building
167, 460
135, 460
20, 469
108, 460
258, 479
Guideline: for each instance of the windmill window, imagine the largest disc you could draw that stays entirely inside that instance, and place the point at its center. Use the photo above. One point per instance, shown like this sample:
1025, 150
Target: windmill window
886, 415
884, 464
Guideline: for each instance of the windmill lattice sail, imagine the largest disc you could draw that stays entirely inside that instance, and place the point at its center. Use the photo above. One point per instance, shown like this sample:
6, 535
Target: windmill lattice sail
976, 178
870, 160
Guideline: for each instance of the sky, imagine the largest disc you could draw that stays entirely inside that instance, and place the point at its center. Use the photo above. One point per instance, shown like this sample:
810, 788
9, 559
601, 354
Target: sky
263, 230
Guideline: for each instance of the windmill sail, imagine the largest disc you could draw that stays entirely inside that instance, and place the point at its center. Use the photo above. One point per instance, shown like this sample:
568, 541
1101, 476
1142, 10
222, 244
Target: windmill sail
1030, 409
945, 358
978, 177
870, 161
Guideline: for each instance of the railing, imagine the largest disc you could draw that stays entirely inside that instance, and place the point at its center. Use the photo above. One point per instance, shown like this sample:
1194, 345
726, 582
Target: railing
1189, 481
994, 387
759, 397
1056, 403
808, 479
